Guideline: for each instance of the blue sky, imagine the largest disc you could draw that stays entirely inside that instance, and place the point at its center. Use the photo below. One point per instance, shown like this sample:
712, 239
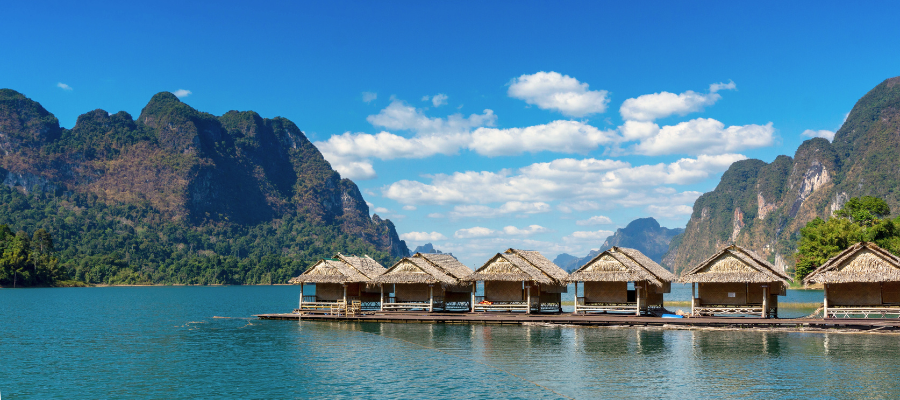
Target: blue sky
479, 126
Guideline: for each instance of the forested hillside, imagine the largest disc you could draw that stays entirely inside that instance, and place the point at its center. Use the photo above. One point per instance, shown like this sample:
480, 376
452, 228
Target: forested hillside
763, 206
180, 196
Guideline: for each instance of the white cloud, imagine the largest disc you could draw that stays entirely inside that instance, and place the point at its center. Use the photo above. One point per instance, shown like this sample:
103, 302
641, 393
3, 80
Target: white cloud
649, 107
670, 211
530, 230
474, 232
706, 136
381, 210
820, 133
595, 220
409, 208
63, 86
510, 207
569, 180
438, 99
435, 215
182, 93
582, 205
401, 116
369, 97
588, 236
423, 236
557, 136
554, 91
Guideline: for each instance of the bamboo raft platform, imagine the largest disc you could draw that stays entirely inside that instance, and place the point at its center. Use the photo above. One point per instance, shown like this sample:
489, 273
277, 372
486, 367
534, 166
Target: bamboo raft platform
500, 318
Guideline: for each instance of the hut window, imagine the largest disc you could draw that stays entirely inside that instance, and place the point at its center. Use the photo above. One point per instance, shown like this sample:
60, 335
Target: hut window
731, 294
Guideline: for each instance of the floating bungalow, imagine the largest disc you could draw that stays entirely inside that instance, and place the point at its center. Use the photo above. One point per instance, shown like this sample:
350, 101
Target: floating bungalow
519, 280
606, 277
340, 282
427, 281
863, 280
736, 281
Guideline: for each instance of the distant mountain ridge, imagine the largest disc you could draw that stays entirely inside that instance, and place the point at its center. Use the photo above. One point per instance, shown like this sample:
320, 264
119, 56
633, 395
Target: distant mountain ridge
763, 206
179, 183
643, 234
426, 248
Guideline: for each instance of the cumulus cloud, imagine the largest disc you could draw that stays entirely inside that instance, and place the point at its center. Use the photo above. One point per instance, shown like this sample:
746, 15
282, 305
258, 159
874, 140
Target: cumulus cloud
706, 136
663, 104
669, 211
595, 220
562, 93
182, 93
423, 236
557, 136
401, 116
63, 86
474, 232
369, 97
409, 208
588, 236
569, 180
581, 205
820, 133
438, 99
530, 230
510, 207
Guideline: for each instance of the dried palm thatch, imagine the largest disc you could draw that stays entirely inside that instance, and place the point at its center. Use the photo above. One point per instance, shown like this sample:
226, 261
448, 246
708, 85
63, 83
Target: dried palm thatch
447, 263
735, 264
443, 269
341, 269
520, 265
862, 262
619, 264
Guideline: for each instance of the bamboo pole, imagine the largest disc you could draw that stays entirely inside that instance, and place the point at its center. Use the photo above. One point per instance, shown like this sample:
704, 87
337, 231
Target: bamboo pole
576, 297
637, 297
528, 299
825, 303
693, 297
301, 295
430, 298
765, 309
472, 305
381, 305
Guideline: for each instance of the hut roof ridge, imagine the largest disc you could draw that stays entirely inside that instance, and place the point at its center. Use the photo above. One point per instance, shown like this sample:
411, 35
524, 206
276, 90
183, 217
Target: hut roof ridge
831, 271
448, 263
763, 271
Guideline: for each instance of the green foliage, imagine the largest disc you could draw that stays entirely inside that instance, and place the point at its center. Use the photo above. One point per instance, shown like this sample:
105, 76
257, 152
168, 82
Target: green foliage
133, 244
28, 261
860, 220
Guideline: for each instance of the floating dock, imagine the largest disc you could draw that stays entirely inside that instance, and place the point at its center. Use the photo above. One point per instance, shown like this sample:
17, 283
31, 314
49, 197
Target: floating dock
507, 318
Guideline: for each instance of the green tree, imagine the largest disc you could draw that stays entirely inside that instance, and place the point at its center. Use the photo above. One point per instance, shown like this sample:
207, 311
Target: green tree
860, 220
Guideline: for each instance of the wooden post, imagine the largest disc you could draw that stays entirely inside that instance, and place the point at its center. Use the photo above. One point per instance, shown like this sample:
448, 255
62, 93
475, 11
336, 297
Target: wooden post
301, 295
765, 309
576, 297
693, 297
528, 299
825, 303
472, 306
637, 297
345, 294
381, 305
430, 298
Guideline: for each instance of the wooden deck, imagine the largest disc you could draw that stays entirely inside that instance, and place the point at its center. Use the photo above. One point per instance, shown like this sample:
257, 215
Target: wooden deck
505, 318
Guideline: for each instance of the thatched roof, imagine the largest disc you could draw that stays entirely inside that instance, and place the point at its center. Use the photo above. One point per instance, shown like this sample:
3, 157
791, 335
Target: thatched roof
862, 262
735, 264
448, 263
341, 269
426, 268
620, 264
520, 265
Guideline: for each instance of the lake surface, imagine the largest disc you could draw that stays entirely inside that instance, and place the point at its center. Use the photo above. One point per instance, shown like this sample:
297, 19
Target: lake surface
201, 342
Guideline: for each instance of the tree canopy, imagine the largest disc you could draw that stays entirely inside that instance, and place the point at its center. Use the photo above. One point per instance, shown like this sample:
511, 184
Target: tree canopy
861, 219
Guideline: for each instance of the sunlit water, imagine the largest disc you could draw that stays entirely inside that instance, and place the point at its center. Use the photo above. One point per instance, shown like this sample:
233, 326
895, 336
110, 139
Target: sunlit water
169, 342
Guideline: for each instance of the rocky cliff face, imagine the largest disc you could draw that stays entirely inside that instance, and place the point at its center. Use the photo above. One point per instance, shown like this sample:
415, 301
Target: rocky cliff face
644, 234
189, 166
789, 192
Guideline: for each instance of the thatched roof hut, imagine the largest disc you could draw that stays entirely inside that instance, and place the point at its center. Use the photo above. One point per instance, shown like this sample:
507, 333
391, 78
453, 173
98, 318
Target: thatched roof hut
862, 280
341, 279
736, 280
862, 262
734, 263
605, 282
520, 280
427, 280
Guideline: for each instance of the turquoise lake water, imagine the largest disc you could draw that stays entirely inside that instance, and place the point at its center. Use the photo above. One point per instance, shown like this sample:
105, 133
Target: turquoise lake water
201, 342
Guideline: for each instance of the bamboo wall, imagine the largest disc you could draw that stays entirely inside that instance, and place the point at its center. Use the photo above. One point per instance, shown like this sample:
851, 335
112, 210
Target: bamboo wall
503, 291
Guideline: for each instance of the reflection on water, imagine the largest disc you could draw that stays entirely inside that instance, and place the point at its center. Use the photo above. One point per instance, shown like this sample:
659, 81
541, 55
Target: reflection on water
165, 343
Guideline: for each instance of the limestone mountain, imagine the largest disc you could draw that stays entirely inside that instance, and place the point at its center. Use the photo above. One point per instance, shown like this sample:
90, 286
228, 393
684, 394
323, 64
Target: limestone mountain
427, 248
763, 206
177, 184
644, 234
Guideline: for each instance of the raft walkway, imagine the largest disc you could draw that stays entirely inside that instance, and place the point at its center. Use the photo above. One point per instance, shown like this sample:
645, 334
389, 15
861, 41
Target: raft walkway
501, 318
